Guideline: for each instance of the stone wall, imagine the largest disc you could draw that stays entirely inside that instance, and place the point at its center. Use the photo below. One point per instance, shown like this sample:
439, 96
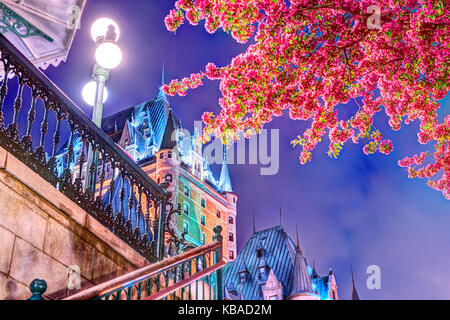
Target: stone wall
42, 233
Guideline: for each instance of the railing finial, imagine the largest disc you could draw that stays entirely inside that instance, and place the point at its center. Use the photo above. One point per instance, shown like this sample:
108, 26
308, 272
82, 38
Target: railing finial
218, 258
217, 230
37, 288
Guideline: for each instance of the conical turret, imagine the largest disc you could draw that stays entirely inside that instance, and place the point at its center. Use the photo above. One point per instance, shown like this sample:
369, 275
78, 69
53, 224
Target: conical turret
355, 295
225, 180
302, 281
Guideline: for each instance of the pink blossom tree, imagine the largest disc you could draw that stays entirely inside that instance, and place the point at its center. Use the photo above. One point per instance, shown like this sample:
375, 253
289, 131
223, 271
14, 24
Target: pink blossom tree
308, 57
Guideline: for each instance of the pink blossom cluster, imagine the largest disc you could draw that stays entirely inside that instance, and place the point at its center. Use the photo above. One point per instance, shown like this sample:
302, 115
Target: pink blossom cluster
309, 56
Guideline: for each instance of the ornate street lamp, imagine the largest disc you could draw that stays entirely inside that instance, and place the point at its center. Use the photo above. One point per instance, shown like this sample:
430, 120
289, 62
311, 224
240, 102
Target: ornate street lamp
105, 33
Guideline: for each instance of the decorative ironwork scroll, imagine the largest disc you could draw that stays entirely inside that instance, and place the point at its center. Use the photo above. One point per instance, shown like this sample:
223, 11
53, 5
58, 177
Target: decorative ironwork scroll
13, 22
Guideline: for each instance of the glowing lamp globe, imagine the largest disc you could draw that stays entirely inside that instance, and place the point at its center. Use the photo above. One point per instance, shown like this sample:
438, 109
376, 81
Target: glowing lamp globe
100, 28
89, 92
108, 55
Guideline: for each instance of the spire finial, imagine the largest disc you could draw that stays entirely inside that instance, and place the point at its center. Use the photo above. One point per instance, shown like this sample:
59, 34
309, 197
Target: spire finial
298, 241
163, 73
281, 217
353, 279
254, 227
355, 295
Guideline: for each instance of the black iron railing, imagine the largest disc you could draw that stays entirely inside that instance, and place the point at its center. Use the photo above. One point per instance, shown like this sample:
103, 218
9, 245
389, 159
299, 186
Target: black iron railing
124, 199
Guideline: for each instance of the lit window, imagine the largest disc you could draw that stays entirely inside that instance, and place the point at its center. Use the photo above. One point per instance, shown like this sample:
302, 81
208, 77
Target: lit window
242, 277
186, 227
218, 213
273, 298
186, 209
168, 177
262, 272
203, 220
203, 202
197, 170
169, 154
231, 254
203, 238
230, 220
230, 236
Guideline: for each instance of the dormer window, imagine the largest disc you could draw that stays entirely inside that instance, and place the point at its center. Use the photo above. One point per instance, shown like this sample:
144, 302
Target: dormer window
262, 272
260, 252
243, 276
262, 263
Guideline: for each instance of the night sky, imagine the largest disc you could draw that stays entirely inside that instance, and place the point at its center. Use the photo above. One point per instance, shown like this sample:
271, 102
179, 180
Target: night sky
355, 210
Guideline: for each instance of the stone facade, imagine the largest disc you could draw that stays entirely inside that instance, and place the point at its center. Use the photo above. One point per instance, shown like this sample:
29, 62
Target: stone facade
202, 207
43, 234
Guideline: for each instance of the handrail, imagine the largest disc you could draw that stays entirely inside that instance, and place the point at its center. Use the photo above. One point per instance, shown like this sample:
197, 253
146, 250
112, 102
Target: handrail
185, 282
134, 210
142, 274
78, 115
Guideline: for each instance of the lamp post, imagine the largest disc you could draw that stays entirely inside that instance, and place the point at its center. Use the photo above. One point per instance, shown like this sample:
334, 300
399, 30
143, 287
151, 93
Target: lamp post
105, 33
